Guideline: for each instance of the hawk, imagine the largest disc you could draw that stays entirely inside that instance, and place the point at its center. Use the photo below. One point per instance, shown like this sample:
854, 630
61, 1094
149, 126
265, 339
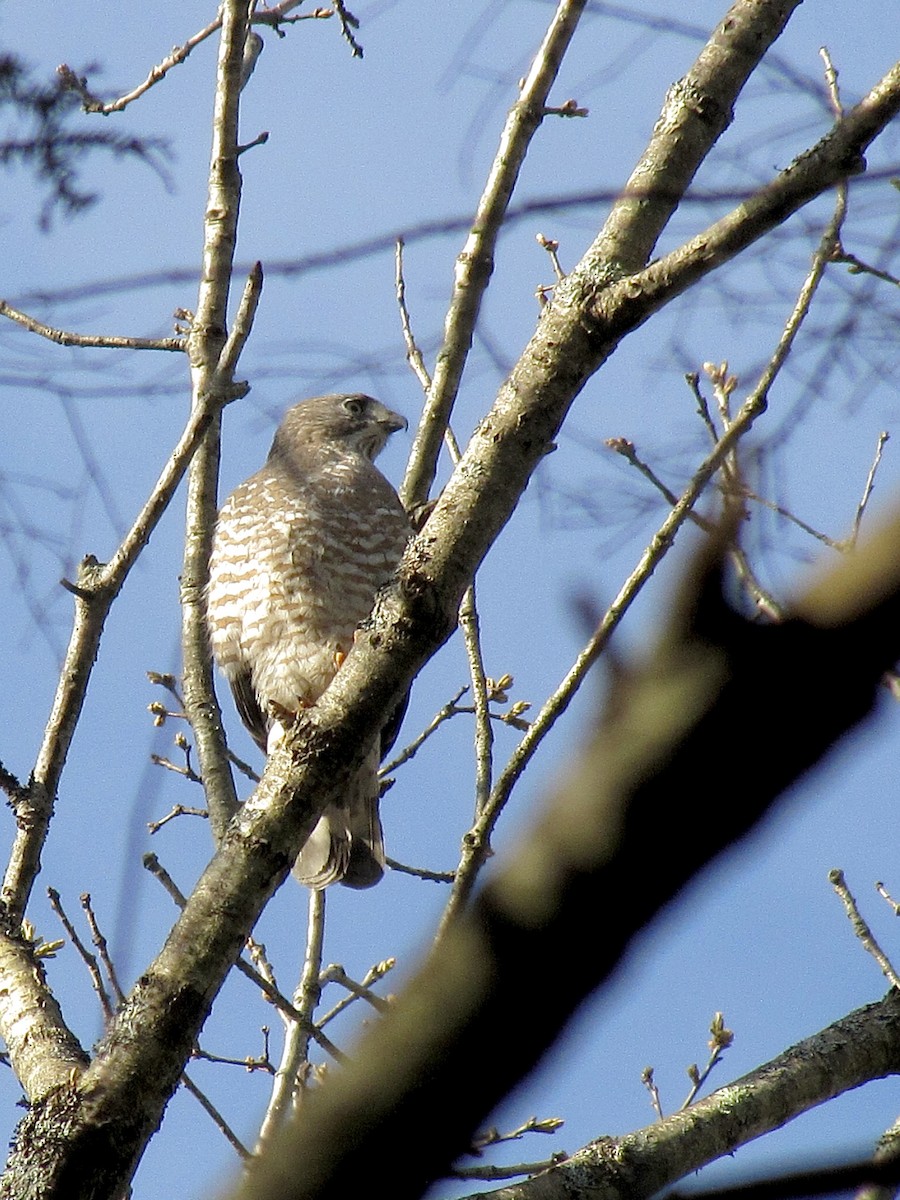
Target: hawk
299, 551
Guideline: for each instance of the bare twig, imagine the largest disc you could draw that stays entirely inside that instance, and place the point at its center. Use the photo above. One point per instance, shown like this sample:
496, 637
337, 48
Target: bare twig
475, 262
450, 709
493, 1136
63, 337
484, 736
860, 926
89, 960
177, 810
649, 1083
378, 971
348, 24
260, 1063
294, 1063
851, 541
335, 973
216, 1116
858, 267
92, 104
102, 947
885, 895
152, 864
421, 872
720, 1039
413, 353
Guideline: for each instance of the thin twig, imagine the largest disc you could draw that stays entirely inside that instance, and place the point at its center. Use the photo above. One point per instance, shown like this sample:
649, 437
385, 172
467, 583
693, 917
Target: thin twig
883, 437
177, 810
63, 337
89, 960
294, 1063
335, 973
861, 928
449, 710
372, 976
475, 262
885, 895
92, 104
261, 1063
413, 353
493, 1136
102, 947
216, 1116
720, 1039
858, 267
152, 864
649, 1083
421, 872
484, 735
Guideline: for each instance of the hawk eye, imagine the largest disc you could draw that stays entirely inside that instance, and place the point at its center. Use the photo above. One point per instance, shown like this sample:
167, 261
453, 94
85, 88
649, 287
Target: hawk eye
354, 406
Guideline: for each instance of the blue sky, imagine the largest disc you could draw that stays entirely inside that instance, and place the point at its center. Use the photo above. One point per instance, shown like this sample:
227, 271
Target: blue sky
382, 145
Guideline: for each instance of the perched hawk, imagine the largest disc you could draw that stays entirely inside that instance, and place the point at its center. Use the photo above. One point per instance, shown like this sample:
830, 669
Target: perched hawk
299, 552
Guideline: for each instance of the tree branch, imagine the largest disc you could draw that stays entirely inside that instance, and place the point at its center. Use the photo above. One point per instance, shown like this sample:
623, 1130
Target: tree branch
861, 1046
476, 260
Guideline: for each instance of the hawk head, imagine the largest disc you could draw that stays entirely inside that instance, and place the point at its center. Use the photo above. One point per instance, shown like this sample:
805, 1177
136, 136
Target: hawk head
352, 422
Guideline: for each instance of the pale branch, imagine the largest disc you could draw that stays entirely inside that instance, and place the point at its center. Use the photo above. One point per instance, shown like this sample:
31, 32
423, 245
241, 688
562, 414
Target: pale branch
883, 438
177, 810
217, 1118
288, 1082
861, 927
696, 111
43, 1052
861, 1046
63, 337
92, 104
484, 735
413, 353
475, 262
213, 355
